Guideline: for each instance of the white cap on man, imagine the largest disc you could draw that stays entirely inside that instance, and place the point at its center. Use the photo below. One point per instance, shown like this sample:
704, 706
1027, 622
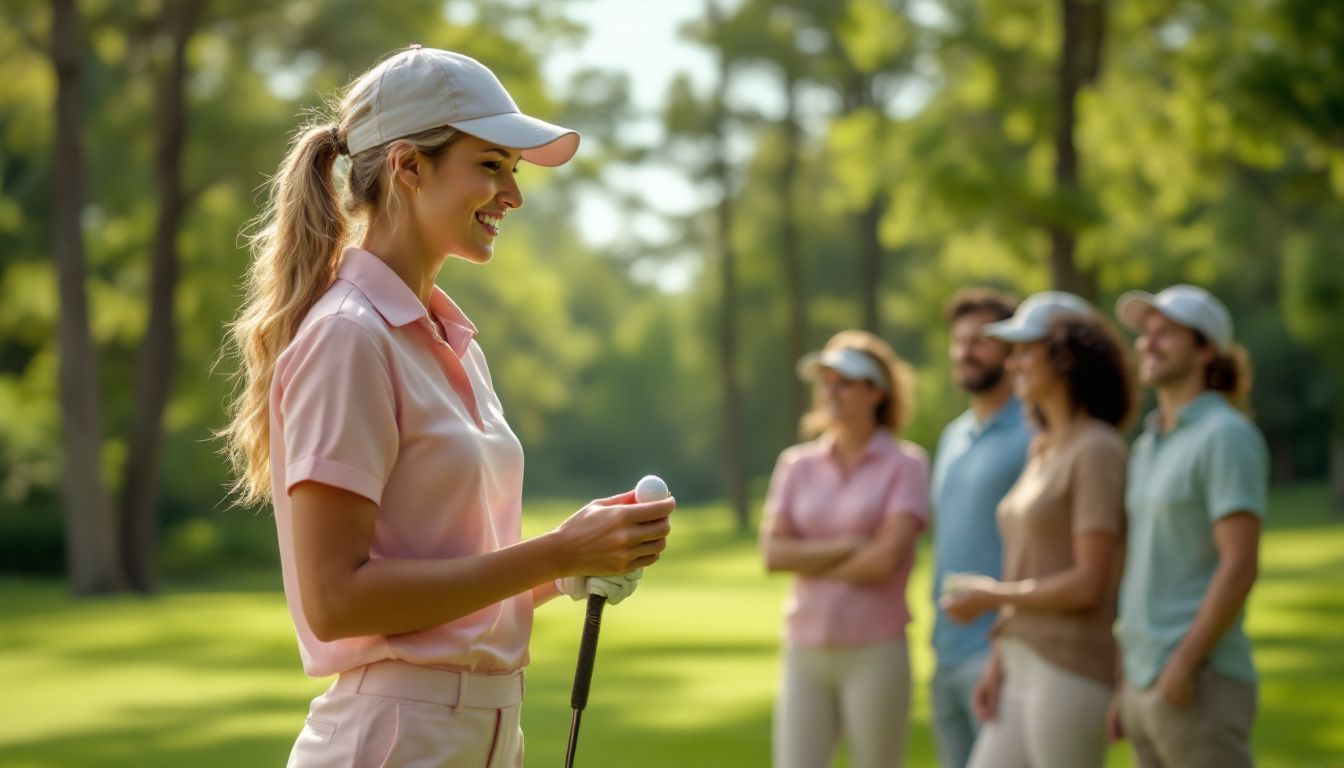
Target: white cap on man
1188, 305
422, 88
846, 361
1031, 321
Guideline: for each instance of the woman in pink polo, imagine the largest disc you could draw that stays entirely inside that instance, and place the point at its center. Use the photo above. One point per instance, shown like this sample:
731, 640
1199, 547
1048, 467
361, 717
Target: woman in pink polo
843, 513
368, 417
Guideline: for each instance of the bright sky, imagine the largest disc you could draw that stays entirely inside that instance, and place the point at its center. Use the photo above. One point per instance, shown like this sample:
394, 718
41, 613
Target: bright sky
641, 39
638, 37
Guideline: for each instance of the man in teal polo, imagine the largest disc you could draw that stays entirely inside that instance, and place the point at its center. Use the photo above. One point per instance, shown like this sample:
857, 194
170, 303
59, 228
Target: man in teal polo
1195, 497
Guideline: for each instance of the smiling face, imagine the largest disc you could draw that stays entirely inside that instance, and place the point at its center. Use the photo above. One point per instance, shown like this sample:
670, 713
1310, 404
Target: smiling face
1034, 378
851, 402
1168, 352
463, 197
977, 360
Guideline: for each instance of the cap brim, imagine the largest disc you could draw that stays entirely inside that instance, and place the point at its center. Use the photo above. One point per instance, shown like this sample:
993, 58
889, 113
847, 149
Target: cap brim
541, 142
1133, 307
1009, 330
812, 364
808, 366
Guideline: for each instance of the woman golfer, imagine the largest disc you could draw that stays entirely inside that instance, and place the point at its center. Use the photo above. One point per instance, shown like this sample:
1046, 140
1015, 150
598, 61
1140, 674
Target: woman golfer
843, 513
367, 415
1047, 688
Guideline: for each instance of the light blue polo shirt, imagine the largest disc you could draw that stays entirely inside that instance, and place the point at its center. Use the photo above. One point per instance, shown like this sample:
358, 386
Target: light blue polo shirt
1212, 464
975, 466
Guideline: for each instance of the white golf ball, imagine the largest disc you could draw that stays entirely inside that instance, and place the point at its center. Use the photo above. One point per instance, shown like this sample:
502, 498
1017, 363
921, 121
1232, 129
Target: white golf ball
650, 488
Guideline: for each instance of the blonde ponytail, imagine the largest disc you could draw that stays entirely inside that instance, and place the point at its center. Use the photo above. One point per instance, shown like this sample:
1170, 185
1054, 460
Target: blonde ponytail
295, 251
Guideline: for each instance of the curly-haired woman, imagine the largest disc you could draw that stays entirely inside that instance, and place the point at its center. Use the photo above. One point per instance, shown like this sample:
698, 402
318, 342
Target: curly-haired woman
1047, 689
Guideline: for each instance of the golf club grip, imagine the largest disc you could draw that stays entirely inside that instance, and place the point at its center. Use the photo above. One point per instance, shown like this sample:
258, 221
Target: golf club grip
583, 673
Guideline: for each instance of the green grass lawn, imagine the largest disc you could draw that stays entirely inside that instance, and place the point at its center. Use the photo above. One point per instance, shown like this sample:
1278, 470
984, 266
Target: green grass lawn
207, 674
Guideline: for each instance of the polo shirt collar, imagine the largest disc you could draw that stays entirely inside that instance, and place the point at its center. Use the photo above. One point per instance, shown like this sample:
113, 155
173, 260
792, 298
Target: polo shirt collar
881, 442
1009, 413
1190, 412
398, 304
459, 327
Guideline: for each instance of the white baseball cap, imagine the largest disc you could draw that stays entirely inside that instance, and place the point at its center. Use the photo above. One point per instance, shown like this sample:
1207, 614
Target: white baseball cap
1188, 305
1031, 321
422, 88
846, 361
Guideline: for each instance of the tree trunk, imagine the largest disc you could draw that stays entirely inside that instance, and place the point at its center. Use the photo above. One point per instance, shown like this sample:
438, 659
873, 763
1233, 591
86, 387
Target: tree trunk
870, 263
790, 250
1337, 456
93, 564
157, 357
1079, 65
735, 465
859, 95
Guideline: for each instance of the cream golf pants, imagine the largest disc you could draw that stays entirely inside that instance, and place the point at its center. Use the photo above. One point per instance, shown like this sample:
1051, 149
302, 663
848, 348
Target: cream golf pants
1047, 717
861, 693
393, 714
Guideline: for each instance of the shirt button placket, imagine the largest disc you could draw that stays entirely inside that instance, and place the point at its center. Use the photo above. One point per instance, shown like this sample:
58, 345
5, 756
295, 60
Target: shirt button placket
454, 371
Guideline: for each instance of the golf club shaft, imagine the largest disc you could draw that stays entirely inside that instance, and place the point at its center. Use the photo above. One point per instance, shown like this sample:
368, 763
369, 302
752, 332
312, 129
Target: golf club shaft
573, 738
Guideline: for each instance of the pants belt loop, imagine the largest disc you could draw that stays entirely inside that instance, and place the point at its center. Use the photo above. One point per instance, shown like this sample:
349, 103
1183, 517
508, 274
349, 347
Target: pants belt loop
357, 674
462, 678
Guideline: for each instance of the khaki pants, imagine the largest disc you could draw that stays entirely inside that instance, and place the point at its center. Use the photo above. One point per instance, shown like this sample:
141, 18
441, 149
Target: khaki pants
1047, 717
396, 714
1213, 732
861, 692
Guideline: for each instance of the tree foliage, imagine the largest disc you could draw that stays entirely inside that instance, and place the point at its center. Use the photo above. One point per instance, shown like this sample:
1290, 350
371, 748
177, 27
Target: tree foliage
889, 153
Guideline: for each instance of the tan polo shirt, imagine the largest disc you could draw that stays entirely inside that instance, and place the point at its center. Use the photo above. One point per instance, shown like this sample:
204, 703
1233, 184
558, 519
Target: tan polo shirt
1073, 484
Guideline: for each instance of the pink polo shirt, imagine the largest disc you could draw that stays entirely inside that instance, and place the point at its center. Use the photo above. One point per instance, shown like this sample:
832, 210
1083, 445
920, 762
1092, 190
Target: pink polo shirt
811, 498
369, 398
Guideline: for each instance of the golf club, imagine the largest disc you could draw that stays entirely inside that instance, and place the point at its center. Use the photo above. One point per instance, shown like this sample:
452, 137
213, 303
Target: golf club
649, 488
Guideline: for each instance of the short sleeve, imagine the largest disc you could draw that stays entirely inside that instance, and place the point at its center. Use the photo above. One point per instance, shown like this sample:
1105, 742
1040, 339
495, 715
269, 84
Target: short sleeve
1237, 472
909, 494
337, 409
1098, 487
779, 497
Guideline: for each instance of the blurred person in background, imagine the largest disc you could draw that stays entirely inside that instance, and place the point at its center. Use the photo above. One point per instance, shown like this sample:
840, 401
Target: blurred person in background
979, 457
843, 513
1047, 688
1198, 479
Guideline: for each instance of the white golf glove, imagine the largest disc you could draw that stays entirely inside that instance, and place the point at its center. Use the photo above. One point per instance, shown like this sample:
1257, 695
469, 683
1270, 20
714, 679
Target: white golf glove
614, 588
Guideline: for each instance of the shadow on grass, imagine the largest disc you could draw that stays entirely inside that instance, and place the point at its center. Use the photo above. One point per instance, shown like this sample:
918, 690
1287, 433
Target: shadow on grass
203, 736
622, 727
677, 687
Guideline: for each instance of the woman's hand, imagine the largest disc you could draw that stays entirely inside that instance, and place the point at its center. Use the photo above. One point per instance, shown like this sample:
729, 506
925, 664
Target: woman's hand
1115, 728
974, 596
985, 699
614, 535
